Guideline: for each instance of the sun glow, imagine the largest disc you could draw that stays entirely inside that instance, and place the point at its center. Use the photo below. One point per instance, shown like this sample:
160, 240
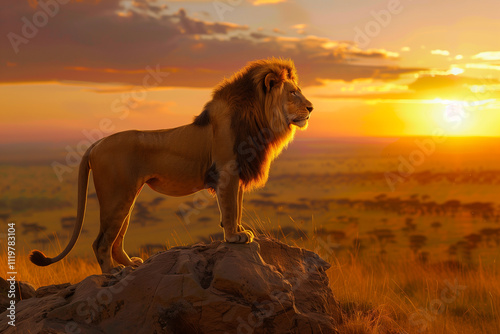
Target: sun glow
461, 118
455, 115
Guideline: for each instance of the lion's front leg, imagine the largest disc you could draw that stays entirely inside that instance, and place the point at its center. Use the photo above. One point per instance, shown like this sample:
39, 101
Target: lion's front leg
230, 208
240, 208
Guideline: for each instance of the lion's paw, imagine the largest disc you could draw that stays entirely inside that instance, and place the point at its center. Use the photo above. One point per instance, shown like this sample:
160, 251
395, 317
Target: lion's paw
136, 261
243, 237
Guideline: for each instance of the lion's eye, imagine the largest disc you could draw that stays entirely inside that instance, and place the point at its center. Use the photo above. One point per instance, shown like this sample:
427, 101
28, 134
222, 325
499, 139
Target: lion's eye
293, 92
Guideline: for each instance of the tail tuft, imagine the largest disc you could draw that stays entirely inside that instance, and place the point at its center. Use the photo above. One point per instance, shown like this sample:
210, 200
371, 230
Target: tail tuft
39, 258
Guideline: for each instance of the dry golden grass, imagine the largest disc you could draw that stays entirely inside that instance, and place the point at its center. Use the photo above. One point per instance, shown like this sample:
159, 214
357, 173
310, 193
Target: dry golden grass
375, 296
70, 269
404, 296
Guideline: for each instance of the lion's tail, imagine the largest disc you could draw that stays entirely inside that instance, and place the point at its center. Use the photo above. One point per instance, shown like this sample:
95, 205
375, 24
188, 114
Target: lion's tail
41, 259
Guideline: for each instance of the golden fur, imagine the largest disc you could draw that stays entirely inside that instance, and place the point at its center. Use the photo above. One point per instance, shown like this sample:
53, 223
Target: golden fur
228, 149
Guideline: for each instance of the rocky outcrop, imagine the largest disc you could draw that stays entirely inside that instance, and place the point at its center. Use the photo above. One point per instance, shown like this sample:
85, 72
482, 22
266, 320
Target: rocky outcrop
262, 287
20, 289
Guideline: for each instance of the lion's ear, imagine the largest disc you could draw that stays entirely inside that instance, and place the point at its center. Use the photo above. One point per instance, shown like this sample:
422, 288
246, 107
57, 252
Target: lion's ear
270, 81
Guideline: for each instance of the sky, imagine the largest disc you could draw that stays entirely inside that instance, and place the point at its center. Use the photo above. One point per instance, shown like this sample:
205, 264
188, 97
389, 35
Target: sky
76, 69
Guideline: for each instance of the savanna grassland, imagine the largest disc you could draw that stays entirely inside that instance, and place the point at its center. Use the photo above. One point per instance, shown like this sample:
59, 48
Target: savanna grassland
411, 226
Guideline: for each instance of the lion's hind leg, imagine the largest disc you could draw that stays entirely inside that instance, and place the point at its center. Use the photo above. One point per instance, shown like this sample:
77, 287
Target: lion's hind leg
110, 228
118, 252
115, 203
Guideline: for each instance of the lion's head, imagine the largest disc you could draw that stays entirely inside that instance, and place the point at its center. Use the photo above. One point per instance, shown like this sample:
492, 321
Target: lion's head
285, 105
266, 106
297, 108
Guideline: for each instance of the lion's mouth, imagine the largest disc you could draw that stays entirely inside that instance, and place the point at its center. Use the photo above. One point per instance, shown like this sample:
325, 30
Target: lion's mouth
300, 121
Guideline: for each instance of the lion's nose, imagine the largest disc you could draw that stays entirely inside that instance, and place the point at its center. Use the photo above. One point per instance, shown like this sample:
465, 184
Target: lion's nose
310, 109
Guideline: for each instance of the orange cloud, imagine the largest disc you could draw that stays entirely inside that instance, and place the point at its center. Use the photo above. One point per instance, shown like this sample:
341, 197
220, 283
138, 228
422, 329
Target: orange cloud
266, 2
105, 47
488, 55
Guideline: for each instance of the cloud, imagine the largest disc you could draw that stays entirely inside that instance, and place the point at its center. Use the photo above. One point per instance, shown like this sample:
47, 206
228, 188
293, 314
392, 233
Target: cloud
440, 52
266, 2
300, 28
487, 55
430, 87
483, 67
198, 27
258, 35
115, 42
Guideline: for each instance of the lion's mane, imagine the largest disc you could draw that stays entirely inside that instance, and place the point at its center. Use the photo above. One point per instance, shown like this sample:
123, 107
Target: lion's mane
259, 124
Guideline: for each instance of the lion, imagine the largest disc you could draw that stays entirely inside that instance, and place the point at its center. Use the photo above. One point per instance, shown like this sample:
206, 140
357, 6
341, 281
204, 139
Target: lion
227, 149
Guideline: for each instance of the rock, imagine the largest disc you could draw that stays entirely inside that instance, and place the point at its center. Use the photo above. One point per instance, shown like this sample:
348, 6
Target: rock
50, 289
24, 290
262, 287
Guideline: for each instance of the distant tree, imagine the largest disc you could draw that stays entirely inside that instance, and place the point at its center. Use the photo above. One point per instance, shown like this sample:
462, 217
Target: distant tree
410, 226
473, 239
423, 257
142, 215
417, 241
67, 223
465, 248
337, 235
205, 219
156, 202
320, 231
267, 194
353, 220
491, 236
43, 242
383, 237
436, 226
451, 206
452, 250
32, 228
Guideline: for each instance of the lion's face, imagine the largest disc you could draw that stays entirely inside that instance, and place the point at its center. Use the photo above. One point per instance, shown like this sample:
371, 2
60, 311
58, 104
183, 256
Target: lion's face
295, 105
